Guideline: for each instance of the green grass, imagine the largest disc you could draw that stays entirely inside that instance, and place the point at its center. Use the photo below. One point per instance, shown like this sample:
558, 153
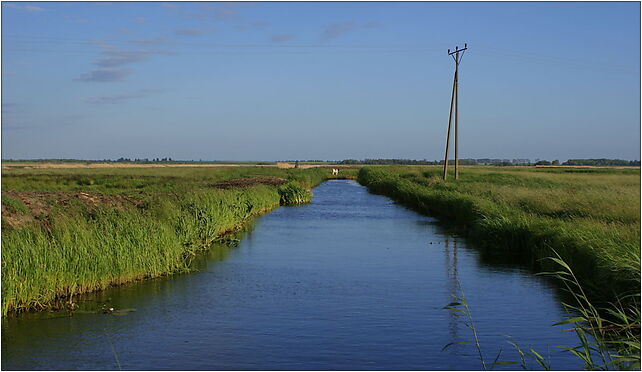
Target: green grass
608, 338
14, 205
592, 219
293, 193
167, 216
583, 226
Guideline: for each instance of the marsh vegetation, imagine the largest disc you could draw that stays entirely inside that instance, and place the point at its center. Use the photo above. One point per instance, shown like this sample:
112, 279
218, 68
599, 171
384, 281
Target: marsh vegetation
582, 226
591, 217
69, 231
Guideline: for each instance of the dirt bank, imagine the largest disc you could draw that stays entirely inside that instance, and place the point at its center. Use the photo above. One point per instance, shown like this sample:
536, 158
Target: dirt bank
249, 182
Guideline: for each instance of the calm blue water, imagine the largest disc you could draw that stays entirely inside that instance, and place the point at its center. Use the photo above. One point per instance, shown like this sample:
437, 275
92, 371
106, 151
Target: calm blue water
351, 281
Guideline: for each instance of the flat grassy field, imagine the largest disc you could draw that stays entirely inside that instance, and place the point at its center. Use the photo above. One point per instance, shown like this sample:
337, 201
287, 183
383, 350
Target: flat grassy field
73, 230
70, 230
591, 217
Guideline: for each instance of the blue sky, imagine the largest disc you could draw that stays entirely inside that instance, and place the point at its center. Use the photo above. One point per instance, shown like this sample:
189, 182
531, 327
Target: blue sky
330, 81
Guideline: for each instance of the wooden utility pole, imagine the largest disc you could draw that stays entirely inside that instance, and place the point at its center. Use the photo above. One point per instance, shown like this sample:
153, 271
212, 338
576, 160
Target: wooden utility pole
454, 108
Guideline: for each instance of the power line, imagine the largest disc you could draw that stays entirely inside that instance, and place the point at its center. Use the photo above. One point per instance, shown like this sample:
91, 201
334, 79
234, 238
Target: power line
536, 58
218, 52
531, 58
97, 42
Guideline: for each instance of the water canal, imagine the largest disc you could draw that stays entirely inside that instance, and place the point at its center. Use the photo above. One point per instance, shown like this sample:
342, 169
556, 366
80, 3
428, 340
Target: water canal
351, 281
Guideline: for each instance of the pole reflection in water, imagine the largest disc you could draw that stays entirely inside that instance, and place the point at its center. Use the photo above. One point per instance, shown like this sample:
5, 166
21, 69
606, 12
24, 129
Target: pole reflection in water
346, 282
452, 281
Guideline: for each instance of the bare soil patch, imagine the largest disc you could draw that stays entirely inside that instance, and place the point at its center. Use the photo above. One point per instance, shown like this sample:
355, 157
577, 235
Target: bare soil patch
40, 204
14, 220
249, 182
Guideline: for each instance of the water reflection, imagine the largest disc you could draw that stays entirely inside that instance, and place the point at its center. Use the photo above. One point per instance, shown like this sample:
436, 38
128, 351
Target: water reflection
349, 281
452, 280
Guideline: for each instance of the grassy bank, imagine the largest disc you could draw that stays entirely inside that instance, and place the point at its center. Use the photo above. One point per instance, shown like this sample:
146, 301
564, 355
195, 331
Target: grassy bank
587, 220
69, 231
590, 217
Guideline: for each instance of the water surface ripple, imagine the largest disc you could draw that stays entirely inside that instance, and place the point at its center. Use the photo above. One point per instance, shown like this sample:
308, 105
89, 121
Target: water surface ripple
350, 281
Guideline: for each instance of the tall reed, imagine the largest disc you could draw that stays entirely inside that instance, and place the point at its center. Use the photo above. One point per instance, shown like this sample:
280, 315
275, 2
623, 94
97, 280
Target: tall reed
522, 215
76, 247
608, 336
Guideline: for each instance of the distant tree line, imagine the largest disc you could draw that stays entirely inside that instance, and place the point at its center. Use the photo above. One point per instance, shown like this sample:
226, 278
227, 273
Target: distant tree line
603, 162
386, 162
146, 160
495, 162
482, 161
546, 162
486, 161
135, 161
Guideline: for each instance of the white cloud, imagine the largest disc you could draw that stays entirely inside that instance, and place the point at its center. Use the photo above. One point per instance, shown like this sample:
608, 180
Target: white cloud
113, 58
120, 98
336, 30
190, 32
104, 75
282, 38
28, 8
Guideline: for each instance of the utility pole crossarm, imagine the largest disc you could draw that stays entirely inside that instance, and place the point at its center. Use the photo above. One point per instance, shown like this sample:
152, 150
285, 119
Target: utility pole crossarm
457, 50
